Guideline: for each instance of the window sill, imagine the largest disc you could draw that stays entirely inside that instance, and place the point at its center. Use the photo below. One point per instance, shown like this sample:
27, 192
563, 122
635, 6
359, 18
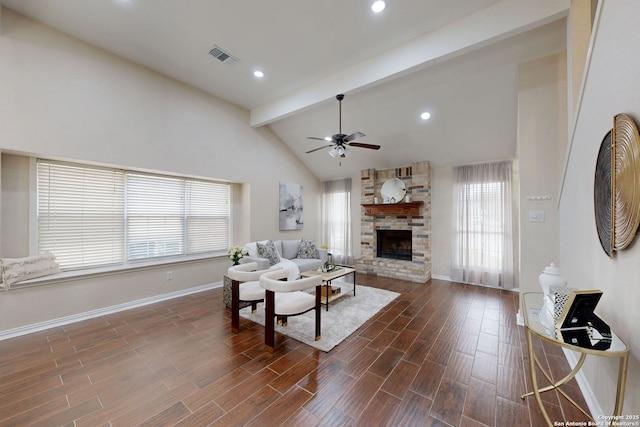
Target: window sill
69, 276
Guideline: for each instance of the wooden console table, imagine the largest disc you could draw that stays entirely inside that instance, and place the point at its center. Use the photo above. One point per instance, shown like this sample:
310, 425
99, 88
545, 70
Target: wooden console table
532, 303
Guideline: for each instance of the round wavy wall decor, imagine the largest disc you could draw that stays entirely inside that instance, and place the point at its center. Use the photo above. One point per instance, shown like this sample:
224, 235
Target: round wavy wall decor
603, 205
617, 186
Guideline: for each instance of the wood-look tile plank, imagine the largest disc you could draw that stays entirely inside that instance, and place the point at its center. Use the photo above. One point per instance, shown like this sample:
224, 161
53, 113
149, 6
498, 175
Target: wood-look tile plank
488, 343
449, 401
249, 408
317, 378
427, 380
203, 416
383, 340
360, 394
380, 410
511, 384
459, 367
205, 394
373, 330
336, 418
485, 367
152, 407
418, 351
302, 417
440, 352
404, 340
327, 395
467, 343
509, 413
480, 404
386, 362
282, 408
35, 414
360, 364
234, 395
398, 383
413, 410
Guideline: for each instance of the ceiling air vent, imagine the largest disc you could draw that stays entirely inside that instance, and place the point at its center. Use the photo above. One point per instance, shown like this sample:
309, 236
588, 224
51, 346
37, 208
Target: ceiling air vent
223, 56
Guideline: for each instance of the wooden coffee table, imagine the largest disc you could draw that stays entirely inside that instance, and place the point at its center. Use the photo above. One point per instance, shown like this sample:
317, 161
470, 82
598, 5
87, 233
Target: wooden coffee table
328, 277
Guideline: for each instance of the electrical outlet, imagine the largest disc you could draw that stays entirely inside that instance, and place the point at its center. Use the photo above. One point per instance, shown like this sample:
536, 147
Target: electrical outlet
169, 275
448, 263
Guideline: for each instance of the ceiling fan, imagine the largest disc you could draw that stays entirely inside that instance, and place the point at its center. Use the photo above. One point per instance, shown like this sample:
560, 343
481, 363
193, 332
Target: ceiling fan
340, 141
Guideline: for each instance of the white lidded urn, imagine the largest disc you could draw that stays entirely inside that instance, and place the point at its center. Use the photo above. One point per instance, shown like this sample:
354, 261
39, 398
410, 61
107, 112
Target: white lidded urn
551, 277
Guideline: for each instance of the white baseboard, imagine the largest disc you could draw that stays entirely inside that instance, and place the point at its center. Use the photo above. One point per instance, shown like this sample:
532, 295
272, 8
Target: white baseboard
437, 276
519, 319
28, 329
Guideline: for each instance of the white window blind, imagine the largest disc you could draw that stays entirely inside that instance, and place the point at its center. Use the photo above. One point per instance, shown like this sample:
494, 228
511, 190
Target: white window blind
208, 216
90, 217
155, 216
81, 214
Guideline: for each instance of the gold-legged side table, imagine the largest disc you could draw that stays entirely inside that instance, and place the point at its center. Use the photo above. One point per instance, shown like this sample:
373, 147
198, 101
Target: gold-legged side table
532, 304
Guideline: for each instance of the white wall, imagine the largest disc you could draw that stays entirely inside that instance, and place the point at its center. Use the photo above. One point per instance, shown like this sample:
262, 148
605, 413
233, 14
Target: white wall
62, 98
441, 221
611, 87
542, 136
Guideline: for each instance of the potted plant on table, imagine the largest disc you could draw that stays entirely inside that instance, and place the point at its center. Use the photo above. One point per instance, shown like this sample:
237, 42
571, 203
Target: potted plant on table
235, 254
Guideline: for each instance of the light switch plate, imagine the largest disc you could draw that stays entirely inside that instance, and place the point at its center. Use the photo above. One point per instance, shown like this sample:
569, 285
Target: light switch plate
536, 216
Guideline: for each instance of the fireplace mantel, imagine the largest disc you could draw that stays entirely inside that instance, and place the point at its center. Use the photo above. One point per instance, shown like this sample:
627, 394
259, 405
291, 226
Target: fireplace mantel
410, 208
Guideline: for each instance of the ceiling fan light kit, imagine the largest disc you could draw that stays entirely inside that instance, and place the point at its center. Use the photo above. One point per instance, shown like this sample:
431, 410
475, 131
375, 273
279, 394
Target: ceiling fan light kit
340, 143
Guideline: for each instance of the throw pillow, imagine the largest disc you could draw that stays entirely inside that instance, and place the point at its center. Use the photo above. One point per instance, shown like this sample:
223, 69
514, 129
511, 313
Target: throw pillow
308, 250
268, 250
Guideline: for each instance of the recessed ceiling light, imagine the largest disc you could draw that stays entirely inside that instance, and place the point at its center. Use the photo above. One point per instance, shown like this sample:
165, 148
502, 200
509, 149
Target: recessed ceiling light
425, 116
259, 74
378, 6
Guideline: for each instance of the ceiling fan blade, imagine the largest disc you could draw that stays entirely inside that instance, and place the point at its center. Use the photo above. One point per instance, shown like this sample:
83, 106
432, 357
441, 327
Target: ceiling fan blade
319, 148
361, 145
315, 137
354, 136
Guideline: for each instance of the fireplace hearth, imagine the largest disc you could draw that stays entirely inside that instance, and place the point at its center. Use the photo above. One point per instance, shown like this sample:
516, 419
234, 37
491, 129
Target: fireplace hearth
394, 244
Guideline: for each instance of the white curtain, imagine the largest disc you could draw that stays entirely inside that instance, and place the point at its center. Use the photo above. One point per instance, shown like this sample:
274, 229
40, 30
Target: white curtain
336, 220
485, 240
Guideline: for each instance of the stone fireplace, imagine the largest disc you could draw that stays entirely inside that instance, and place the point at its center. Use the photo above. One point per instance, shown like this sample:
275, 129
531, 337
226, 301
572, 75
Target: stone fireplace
385, 228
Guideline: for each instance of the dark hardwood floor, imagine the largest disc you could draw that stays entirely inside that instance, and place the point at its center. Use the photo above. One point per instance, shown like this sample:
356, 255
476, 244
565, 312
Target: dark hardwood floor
442, 354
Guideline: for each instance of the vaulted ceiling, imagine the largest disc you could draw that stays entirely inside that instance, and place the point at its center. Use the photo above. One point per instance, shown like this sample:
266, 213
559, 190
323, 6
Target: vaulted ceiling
458, 60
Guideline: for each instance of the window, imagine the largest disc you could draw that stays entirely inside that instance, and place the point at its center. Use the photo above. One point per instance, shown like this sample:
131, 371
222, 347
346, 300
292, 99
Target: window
90, 216
484, 239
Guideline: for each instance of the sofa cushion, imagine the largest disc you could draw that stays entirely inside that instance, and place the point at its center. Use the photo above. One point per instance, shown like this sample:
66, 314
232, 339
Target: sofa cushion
308, 264
308, 250
268, 250
290, 248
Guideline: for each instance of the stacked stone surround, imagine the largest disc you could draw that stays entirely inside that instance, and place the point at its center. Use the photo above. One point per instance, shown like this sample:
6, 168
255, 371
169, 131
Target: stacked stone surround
417, 179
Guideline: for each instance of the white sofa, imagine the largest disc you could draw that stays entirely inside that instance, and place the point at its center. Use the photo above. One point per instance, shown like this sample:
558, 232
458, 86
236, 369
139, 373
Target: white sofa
289, 254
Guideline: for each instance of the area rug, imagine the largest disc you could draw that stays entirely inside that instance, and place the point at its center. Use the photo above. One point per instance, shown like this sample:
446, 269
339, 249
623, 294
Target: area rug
345, 315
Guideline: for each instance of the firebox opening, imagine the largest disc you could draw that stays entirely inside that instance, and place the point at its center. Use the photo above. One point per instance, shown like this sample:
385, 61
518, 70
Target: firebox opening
394, 244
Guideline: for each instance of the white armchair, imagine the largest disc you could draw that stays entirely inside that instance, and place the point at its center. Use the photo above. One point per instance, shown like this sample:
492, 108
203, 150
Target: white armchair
245, 286
284, 299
